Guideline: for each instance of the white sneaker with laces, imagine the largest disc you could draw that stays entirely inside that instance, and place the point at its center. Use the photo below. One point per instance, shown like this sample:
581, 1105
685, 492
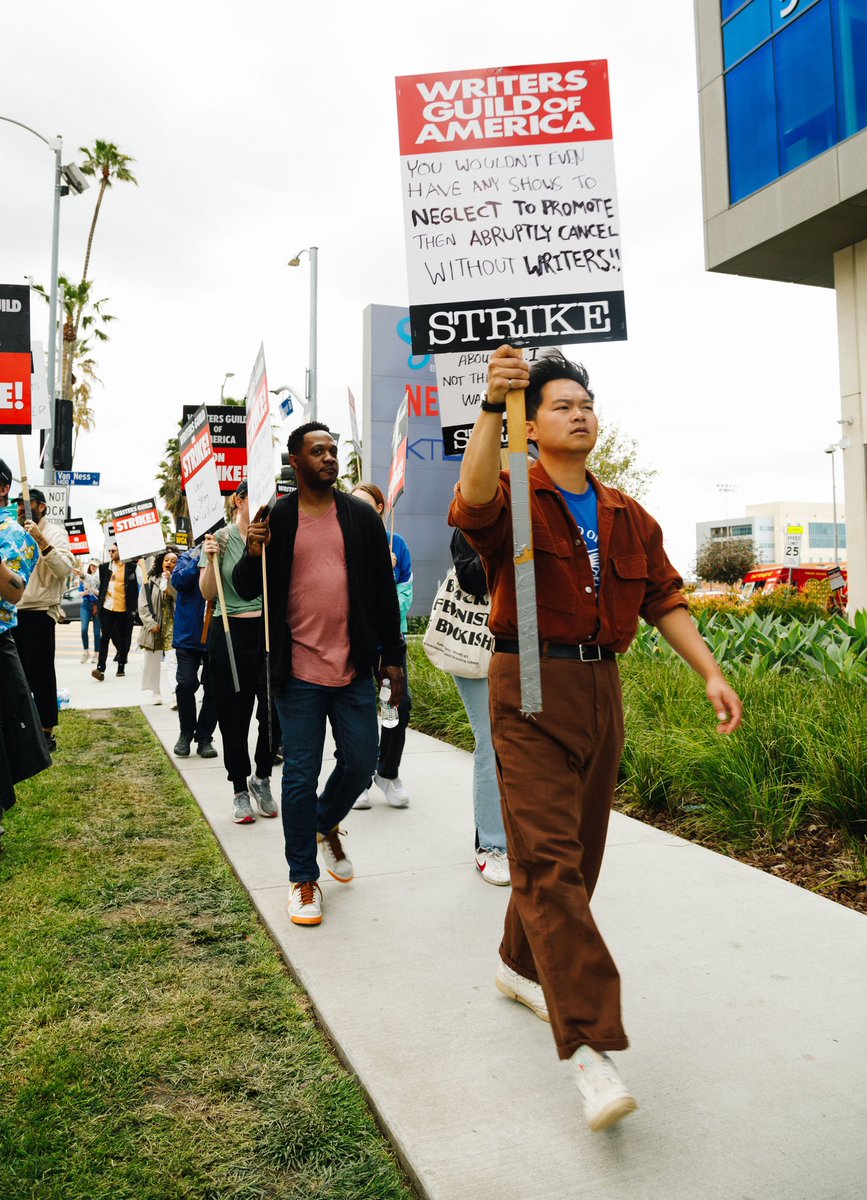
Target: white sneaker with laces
493, 866
605, 1095
305, 903
85, 656
363, 800
394, 791
336, 863
525, 991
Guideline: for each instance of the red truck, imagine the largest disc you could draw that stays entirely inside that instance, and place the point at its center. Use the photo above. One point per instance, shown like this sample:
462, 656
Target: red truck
770, 576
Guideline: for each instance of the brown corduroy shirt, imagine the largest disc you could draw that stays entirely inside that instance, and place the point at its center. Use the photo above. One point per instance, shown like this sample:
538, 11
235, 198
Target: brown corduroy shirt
637, 577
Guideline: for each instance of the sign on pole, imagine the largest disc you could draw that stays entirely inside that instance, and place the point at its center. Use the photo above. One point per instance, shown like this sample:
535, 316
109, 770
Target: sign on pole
78, 478
15, 359
137, 530
260, 448
461, 383
77, 535
397, 471
40, 417
353, 421
228, 423
792, 552
510, 204
56, 502
512, 231
199, 476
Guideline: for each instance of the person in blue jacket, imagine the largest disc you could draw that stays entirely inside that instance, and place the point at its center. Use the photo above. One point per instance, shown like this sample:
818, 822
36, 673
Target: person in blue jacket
391, 741
191, 651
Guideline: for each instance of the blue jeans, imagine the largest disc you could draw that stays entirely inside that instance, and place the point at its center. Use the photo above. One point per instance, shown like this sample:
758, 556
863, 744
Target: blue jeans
490, 834
304, 709
89, 612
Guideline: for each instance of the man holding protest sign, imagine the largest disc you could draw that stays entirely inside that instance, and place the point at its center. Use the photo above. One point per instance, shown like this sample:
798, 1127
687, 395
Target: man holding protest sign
39, 608
334, 619
600, 564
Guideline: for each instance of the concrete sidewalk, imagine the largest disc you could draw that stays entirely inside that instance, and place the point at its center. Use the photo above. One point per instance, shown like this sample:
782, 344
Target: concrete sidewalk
745, 999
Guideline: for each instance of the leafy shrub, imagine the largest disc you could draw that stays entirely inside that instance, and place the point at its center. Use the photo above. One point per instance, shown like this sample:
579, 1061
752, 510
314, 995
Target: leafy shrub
789, 602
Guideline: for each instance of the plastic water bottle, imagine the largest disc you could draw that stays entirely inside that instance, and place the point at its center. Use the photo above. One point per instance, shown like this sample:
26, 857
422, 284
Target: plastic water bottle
63, 698
388, 714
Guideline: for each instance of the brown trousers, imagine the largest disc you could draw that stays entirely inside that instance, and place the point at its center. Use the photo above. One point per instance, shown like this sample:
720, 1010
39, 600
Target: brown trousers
557, 773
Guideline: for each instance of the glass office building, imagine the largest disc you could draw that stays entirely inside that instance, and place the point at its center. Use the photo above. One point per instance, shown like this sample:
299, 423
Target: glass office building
795, 84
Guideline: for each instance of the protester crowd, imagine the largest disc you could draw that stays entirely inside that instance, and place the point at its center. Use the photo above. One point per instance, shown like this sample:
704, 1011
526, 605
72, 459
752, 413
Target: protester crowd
327, 648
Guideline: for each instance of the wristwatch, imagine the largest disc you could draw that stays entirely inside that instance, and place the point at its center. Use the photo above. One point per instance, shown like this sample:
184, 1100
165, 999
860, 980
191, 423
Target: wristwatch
495, 408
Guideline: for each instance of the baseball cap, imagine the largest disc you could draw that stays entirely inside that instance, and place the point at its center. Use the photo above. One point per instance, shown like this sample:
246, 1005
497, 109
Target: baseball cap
35, 494
241, 489
5, 474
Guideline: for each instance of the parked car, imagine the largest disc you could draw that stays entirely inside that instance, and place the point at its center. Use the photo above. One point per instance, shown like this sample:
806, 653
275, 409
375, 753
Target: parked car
71, 604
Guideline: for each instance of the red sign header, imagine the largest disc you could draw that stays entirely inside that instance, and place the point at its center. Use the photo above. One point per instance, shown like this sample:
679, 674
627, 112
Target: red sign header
504, 106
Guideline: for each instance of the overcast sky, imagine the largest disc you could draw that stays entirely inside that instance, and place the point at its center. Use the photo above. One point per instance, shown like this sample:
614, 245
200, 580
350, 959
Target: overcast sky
264, 127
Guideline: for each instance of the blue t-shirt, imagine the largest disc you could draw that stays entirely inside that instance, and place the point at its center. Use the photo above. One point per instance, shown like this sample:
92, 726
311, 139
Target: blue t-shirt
585, 510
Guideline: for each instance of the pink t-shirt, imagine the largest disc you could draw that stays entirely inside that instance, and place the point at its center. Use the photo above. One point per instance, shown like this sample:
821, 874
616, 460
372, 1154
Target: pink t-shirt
317, 608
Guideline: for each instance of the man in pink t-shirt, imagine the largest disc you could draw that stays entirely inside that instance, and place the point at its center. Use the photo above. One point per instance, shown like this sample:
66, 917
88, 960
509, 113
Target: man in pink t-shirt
334, 623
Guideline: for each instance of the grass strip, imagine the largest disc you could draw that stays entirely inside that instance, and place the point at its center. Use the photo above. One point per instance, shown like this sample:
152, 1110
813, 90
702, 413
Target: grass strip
152, 1043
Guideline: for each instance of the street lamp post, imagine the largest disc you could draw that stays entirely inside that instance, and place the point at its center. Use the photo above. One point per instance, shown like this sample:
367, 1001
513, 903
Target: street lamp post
313, 254
229, 375
77, 183
831, 450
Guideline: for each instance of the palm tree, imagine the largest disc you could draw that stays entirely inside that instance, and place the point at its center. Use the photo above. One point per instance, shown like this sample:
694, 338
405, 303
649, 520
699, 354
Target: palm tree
105, 160
79, 312
83, 419
169, 479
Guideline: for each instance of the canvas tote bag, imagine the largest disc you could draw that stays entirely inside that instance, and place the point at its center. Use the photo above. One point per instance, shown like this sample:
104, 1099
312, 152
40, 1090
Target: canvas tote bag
458, 639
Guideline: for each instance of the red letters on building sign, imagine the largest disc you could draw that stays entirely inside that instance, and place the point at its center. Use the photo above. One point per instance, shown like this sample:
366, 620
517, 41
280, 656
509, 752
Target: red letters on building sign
423, 401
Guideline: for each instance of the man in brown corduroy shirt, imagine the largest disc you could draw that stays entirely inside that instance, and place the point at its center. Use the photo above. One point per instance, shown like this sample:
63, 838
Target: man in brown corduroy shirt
600, 565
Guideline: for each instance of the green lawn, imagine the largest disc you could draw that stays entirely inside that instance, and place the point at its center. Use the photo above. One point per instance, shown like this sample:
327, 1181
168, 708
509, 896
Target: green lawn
152, 1044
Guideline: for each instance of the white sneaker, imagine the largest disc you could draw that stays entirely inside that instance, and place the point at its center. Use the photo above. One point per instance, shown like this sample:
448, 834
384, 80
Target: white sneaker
336, 863
525, 991
94, 658
606, 1098
363, 800
394, 791
157, 698
305, 903
85, 656
493, 866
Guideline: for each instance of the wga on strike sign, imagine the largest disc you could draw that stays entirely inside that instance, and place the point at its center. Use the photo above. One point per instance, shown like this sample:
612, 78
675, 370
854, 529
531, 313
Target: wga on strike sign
510, 204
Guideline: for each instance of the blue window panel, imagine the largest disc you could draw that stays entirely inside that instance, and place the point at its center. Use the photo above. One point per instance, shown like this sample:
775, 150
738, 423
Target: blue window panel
752, 129
746, 31
784, 11
731, 6
821, 535
850, 54
806, 97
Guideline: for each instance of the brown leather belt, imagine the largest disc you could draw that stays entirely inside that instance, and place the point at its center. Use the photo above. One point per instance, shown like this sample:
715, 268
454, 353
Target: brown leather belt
582, 653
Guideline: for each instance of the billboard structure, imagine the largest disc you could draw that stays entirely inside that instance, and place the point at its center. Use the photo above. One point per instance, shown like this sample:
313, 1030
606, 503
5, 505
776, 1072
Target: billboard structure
393, 373
783, 107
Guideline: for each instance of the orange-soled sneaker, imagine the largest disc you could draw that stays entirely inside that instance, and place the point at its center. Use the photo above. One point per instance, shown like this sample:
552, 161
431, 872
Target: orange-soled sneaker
305, 903
336, 863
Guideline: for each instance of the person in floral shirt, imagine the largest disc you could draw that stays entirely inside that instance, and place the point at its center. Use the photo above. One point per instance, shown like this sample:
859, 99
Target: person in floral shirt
23, 749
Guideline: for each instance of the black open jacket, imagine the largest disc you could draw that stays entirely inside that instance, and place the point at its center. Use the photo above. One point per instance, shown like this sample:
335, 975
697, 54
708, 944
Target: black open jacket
374, 615
130, 585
